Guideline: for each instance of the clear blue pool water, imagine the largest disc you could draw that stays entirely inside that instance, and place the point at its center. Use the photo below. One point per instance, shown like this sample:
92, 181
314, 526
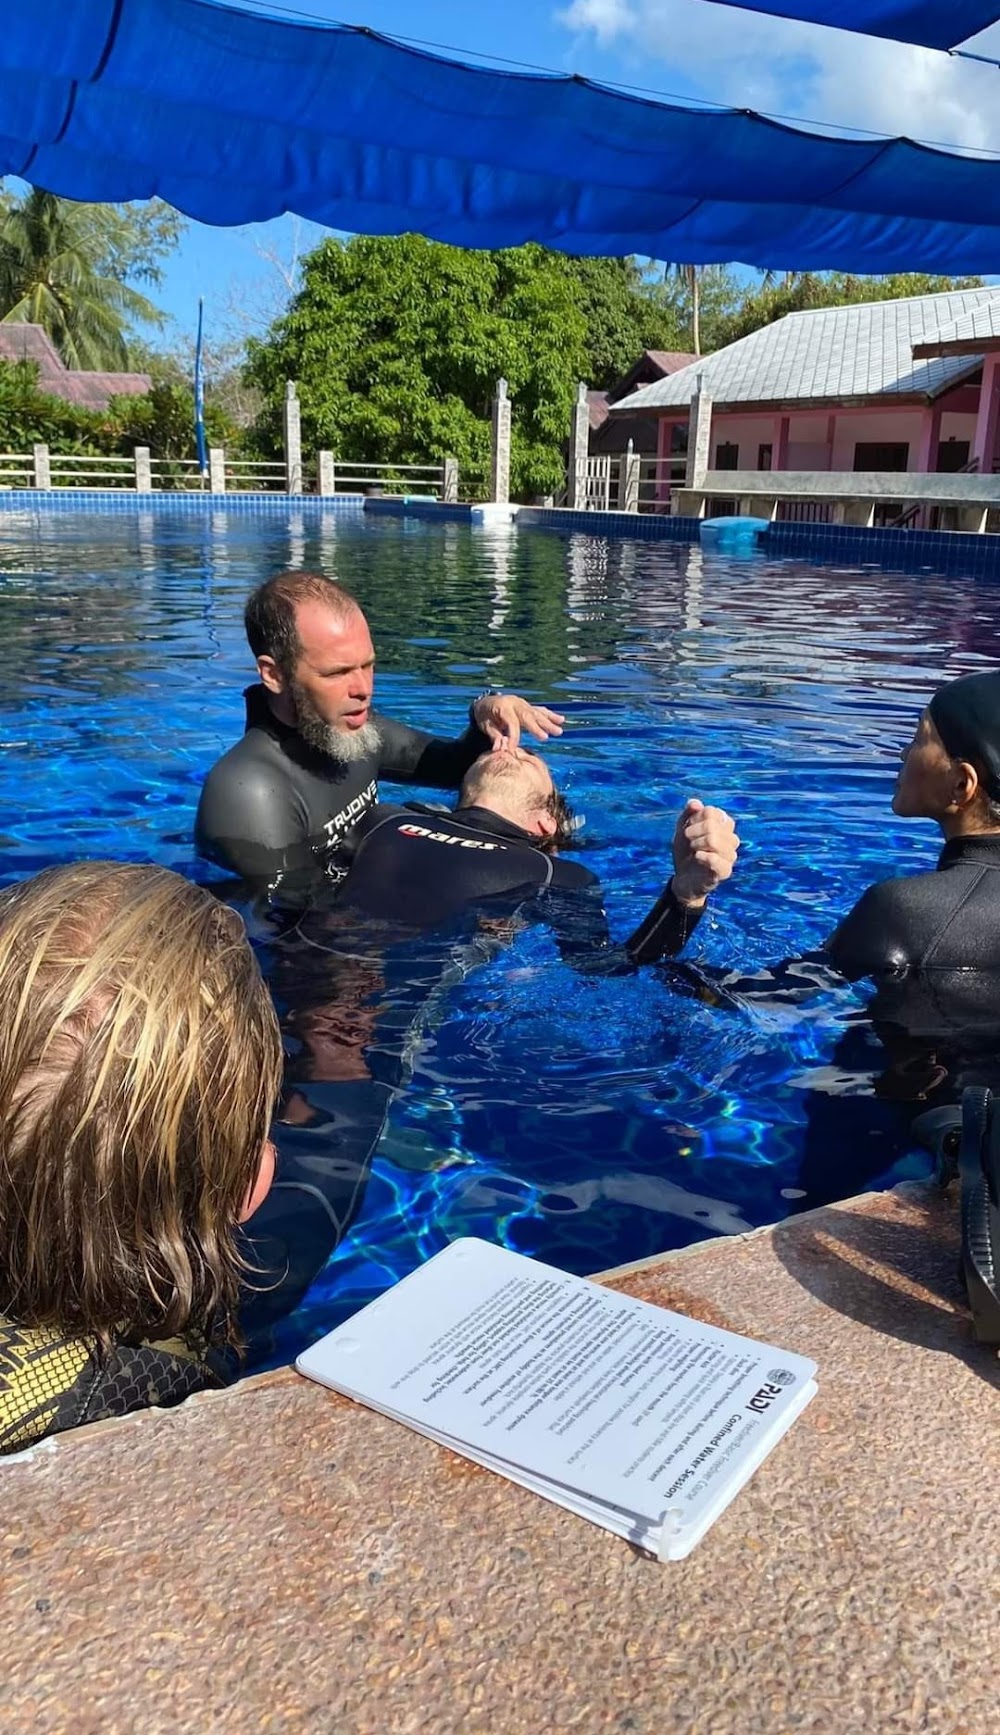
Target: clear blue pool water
588, 1122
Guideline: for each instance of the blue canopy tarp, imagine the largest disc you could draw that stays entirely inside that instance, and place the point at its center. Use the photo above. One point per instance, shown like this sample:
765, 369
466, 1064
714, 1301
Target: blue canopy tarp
233, 116
929, 23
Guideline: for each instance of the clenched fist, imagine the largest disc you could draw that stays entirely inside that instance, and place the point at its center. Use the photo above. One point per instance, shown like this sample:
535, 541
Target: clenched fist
705, 850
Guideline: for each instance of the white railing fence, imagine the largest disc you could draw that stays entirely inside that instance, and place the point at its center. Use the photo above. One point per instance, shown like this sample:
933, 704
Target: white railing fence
43, 468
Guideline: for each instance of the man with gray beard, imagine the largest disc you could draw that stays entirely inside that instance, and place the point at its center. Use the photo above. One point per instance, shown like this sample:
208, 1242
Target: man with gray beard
288, 794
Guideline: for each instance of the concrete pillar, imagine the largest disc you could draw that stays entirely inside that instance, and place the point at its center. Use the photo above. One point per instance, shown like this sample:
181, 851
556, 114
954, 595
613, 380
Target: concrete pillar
500, 457
971, 518
217, 469
629, 469
757, 506
579, 450
43, 470
779, 457
699, 452
293, 440
930, 438
449, 481
985, 442
143, 471
859, 512
326, 474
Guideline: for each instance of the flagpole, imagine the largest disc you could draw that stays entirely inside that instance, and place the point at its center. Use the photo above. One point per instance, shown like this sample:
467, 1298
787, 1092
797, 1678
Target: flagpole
199, 397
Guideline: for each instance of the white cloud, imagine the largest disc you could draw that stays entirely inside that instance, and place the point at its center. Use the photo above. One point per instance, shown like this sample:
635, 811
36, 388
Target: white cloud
606, 18
785, 67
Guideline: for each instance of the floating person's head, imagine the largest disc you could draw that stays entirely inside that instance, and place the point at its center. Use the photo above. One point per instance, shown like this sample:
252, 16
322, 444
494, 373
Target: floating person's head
518, 785
315, 656
139, 1070
951, 768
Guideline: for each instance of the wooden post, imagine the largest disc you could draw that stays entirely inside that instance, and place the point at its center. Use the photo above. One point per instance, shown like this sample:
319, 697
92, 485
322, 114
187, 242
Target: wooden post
293, 440
217, 469
43, 469
143, 471
326, 474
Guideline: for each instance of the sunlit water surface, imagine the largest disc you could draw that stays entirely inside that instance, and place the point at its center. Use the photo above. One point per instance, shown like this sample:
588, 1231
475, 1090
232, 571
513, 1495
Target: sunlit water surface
586, 1121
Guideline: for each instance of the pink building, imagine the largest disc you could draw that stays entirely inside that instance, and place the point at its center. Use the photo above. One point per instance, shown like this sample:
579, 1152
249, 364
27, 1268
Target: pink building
888, 385
92, 391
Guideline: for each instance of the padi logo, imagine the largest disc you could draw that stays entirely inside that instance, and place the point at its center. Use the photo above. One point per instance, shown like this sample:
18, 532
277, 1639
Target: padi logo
763, 1399
446, 837
781, 1377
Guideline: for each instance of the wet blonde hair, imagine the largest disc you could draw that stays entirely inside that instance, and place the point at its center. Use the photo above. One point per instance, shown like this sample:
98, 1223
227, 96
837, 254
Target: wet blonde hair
140, 1062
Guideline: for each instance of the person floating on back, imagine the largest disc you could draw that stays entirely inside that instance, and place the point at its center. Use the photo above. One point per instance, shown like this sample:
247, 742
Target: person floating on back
139, 1070
307, 769
503, 842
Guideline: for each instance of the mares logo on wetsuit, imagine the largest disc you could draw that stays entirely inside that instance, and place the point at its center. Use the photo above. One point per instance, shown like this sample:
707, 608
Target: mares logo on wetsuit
446, 837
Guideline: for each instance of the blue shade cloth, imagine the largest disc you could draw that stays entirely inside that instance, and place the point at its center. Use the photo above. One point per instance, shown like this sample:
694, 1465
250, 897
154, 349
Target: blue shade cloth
930, 23
235, 117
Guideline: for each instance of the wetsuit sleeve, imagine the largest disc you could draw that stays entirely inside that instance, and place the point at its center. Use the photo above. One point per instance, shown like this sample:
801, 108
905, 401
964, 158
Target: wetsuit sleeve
665, 931
865, 944
248, 821
412, 756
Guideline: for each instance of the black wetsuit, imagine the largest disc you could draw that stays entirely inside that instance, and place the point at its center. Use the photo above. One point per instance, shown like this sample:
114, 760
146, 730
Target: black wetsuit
416, 869
273, 804
941, 921
931, 944
428, 895
51, 1381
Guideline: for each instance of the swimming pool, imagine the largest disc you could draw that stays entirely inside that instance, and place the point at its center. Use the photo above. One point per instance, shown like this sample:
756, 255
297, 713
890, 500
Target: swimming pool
586, 1121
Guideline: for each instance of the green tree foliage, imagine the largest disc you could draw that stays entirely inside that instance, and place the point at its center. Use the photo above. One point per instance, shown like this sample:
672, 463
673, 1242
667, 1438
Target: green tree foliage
625, 314
163, 419
67, 267
28, 415
397, 345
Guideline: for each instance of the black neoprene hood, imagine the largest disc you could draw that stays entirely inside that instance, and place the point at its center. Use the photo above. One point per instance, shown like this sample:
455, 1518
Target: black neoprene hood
966, 715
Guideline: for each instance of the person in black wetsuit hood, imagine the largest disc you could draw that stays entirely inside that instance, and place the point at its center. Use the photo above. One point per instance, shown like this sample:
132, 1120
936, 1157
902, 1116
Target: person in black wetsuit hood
931, 944
948, 919
287, 795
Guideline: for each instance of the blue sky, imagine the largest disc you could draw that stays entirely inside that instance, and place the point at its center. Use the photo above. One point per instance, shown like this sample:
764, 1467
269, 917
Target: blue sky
681, 47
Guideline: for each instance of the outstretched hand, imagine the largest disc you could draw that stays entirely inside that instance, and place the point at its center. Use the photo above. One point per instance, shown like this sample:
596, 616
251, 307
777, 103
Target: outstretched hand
503, 717
705, 850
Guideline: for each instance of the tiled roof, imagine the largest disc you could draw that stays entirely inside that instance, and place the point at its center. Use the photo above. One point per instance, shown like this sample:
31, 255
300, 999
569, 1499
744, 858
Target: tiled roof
91, 390
828, 355
599, 409
671, 360
980, 325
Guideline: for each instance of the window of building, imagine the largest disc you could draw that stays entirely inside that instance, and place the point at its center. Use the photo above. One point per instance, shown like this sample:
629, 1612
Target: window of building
727, 456
952, 455
881, 455
764, 454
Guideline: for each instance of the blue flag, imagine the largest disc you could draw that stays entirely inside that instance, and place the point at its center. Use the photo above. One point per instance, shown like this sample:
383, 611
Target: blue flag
199, 397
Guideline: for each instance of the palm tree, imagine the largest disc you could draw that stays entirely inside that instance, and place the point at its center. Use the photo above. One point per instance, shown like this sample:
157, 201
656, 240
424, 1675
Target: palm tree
52, 273
690, 276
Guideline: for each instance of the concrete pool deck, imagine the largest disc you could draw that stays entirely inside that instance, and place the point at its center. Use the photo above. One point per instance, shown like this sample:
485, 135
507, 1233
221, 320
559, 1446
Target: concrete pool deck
275, 1558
